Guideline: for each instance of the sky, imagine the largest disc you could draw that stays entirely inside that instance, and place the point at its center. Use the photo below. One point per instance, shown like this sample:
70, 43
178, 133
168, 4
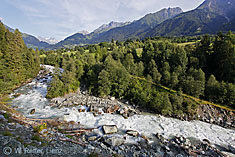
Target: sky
61, 18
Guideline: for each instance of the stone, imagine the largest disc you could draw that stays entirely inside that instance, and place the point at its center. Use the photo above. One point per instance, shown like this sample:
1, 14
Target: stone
121, 111
114, 141
2, 118
125, 115
32, 111
132, 133
232, 148
228, 154
206, 141
167, 148
187, 142
103, 146
110, 129
92, 138
112, 98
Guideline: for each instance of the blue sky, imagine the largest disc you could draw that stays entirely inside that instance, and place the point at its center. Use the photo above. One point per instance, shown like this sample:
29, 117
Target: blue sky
61, 18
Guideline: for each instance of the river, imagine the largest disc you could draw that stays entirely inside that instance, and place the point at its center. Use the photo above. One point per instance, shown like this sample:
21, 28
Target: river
33, 97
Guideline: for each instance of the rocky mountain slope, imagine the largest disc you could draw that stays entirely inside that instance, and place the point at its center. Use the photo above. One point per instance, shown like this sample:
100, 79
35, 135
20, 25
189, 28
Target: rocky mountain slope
210, 17
30, 40
121, 31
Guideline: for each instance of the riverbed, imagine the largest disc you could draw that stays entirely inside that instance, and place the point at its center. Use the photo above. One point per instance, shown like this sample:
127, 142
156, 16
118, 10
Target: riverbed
32, 96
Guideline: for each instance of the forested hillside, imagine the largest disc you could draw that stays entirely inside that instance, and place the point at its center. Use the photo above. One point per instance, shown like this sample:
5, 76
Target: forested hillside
143, 71
17, 62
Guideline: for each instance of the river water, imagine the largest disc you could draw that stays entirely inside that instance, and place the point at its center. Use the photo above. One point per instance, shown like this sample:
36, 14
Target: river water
33, 97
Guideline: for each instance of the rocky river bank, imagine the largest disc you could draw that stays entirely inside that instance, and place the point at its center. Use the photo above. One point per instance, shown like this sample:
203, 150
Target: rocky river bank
81, 124
21, 138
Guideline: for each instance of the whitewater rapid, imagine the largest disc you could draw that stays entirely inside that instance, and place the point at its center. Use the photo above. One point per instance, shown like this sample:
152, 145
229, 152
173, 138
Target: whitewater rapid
33, 97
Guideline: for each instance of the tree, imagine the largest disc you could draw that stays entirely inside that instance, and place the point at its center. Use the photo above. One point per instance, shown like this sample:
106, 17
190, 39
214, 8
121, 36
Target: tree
224, 57
129, 63
174, 80
177, 104
166, 105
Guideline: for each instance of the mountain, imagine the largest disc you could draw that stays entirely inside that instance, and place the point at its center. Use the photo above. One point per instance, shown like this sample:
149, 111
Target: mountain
121, 31
210, 17
84, 32
48, 40
107, 27
31, 41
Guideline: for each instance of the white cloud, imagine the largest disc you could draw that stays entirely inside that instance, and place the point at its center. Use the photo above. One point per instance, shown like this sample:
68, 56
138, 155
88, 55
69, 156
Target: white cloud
64, 17
1, 18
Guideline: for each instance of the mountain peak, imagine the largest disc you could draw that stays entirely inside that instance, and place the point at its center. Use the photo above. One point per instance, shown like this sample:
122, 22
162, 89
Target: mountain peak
222, 7
49, 40
112, 24
84, 32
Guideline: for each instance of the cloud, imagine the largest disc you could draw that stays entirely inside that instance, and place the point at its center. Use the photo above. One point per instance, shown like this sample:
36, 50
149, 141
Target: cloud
63, 17
1, 18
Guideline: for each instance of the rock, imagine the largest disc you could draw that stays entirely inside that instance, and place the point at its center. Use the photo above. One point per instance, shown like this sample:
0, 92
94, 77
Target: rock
232, 148
92, 138
114, 141
44, 131
2, 118
103, 146
167, 148
32, 111
121, 111
206, 141
112, 98
28, 141
110, 129
228, 154
125, 115
187, 142
132, 133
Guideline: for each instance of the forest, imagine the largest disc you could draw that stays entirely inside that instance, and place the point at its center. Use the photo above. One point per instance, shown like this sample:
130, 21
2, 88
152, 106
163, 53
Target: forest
158, 74
154, 73
17, 62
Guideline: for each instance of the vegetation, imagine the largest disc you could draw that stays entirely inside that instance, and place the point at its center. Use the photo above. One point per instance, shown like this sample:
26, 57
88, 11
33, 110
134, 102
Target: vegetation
39, 128
7, 133
36, 137
155, 77
17, 62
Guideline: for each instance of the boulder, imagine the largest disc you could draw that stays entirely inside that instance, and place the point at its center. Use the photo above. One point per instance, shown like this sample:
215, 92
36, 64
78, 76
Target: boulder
92, 138
32, 111
132, 133
110, 129
228, 154
206, 142
114, 141
112, 98
121, 111
232, 148
2, 118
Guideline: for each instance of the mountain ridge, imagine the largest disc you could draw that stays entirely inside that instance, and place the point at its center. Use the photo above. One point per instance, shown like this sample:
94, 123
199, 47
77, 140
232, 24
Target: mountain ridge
210, 17
131, 30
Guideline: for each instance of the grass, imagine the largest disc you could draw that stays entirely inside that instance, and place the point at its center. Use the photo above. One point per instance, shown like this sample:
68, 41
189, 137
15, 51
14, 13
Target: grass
69, 53
7, 133
187, 43
39, 128
197, 100
37, 138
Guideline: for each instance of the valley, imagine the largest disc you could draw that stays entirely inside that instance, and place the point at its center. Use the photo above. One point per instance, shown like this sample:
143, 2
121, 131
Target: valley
161, 86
